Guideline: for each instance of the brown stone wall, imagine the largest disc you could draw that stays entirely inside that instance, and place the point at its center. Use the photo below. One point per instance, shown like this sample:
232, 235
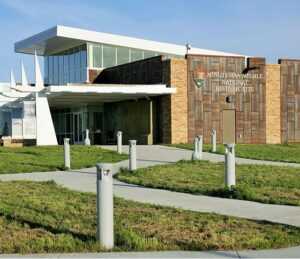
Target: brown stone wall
273, 128
93, 74
214, 79
290, 100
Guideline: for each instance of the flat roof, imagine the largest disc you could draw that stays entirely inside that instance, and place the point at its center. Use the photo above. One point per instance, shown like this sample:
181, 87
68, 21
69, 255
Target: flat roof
60, 38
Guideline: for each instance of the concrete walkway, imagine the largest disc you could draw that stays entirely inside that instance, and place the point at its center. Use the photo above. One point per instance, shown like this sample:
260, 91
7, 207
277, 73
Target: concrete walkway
293, 252
156, 154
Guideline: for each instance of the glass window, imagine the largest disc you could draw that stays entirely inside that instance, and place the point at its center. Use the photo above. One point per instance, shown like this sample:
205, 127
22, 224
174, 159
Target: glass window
122, 55
149, 54
109, 56
97, 56
51, 70
136, 55
61, 69
66, 69
56, 70
46, 71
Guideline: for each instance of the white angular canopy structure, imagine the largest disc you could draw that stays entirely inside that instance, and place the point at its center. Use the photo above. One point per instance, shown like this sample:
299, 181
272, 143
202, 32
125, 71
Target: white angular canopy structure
24, 76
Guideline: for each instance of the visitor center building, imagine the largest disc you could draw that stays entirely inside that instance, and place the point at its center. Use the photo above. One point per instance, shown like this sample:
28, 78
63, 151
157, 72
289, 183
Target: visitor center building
153, 92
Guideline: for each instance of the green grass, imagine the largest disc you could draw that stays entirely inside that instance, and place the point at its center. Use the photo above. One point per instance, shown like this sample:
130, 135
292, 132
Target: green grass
266, 184
280, 152
51, 158
46, 218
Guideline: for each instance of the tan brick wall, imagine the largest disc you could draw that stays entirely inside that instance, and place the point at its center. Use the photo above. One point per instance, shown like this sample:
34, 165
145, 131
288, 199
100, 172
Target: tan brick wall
273, 130
179, 106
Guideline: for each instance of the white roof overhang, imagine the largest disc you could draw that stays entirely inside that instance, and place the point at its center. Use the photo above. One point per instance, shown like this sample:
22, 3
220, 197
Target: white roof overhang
77, 95
60, 38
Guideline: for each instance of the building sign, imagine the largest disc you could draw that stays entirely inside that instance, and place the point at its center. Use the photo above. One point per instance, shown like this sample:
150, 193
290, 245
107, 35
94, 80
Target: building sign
230, 82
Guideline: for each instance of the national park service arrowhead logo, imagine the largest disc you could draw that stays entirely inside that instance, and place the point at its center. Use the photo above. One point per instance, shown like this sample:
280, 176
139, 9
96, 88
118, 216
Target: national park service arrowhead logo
199, 78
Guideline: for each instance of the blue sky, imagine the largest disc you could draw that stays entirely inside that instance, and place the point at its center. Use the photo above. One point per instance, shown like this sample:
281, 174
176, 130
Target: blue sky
268, 28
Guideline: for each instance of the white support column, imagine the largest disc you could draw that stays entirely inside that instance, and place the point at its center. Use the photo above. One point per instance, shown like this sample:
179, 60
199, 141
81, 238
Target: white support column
24, 76
39, 81
45, 132
12, 79
105, 206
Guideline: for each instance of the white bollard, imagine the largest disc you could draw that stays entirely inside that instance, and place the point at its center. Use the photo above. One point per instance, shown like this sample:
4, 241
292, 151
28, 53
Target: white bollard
119, 142
67, 157
87, 141
200, 145
229, 165
214, 140
195, 154
105, 206
132, 155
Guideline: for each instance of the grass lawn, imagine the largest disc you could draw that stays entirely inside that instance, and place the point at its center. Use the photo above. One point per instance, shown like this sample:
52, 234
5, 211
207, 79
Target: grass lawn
267, 184
280, 152
45, 218
38, 159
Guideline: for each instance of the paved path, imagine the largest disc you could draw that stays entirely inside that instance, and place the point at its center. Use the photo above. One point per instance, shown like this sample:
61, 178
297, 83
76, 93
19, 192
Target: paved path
165, 154
293, 252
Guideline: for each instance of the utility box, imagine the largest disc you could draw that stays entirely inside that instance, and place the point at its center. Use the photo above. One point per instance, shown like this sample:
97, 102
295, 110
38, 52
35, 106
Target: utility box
228, 119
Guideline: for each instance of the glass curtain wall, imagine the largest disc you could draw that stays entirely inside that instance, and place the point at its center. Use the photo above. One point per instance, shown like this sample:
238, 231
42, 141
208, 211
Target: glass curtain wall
69, 66
104, 56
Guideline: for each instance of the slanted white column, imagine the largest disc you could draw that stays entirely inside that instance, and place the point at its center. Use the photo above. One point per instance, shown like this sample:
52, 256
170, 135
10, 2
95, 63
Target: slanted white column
45, 132
12, 79
24, 76
39, 81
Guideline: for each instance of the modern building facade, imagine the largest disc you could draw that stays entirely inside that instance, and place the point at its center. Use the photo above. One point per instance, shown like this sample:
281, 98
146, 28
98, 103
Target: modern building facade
154, 92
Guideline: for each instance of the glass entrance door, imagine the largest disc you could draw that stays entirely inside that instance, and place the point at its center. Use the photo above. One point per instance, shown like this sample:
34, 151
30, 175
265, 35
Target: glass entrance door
77, 128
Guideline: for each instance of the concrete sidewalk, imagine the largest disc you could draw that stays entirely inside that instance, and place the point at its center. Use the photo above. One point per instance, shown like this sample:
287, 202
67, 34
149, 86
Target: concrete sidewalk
293, 252
155, 154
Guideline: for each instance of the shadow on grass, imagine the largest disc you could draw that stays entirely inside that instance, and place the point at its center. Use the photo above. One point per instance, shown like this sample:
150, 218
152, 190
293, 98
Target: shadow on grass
82, 237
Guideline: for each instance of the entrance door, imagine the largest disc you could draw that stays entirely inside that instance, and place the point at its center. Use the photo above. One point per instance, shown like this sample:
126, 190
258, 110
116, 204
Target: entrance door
77, 127
228, 126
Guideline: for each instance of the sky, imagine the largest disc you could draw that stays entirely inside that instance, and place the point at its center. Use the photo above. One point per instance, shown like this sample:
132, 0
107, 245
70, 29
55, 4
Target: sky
264, 28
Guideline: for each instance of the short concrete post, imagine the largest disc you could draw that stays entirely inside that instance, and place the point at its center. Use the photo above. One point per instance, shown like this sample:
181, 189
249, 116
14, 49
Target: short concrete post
200, 145
105, 206
214, 140
132, 155
87, 141
119, 142
67, 157
195, 154
229, 165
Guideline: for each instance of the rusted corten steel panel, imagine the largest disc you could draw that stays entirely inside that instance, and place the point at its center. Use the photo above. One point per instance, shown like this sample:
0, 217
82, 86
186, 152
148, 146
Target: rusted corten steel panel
290, 100
208, 81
